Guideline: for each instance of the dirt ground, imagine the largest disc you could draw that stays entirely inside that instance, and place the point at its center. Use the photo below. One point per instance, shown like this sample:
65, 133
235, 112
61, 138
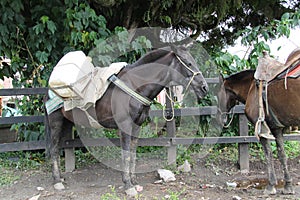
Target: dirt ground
206, 181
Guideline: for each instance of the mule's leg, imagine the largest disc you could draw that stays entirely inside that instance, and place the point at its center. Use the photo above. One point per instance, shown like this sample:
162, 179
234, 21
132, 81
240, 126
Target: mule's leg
288, 188
125, 145
133, 146
270, 189
55, 125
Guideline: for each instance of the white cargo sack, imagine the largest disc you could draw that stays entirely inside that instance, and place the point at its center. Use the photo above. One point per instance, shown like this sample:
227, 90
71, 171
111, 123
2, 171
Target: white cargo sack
71, 75
78, 82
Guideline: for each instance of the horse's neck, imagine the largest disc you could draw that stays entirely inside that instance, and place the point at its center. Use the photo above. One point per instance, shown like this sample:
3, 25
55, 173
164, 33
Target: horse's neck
148, 81
241, 88
154, 76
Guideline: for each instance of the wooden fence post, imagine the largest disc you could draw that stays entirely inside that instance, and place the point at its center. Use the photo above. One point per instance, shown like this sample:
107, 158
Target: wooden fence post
69, 153
171, 130
243, 147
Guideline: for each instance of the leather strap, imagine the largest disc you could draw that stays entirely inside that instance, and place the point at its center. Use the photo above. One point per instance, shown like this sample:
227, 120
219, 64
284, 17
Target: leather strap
118, 82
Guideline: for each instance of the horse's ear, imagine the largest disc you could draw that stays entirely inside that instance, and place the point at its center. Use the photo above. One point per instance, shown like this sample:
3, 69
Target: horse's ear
174, 48
221, 78
187, 45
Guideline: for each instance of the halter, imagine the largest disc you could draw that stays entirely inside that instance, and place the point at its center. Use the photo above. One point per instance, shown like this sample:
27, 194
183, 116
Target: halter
187, 67
187, 86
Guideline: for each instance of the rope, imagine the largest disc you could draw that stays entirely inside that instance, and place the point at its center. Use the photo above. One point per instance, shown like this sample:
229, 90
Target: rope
172, 108
231, 120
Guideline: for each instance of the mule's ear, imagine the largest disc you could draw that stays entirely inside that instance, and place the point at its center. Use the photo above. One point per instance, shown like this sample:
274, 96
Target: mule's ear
221, 78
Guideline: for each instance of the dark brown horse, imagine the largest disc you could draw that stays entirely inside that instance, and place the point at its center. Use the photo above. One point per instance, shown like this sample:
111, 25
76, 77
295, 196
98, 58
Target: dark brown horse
116, 109
283, 109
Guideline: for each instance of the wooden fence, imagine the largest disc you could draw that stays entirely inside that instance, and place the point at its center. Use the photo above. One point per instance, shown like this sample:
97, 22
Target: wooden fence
171, 141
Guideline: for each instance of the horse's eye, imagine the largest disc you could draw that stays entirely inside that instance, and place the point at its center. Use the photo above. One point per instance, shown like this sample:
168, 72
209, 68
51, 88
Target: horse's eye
189, 64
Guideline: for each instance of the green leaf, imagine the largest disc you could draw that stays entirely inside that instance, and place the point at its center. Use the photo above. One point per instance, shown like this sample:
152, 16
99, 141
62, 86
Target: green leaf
39, 28
285, 16
51, 26
42, 56
44, 19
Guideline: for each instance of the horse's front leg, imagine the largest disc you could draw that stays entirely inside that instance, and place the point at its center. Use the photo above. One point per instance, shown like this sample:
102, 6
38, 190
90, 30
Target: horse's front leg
125, 140
270, 189
288, 188
133, 146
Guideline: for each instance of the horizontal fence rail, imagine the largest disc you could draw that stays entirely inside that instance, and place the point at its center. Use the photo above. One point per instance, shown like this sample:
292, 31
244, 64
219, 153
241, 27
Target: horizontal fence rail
162, 142
171, 141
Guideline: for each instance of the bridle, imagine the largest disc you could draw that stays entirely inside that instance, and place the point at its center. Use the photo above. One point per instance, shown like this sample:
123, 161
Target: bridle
187, 67
185, 91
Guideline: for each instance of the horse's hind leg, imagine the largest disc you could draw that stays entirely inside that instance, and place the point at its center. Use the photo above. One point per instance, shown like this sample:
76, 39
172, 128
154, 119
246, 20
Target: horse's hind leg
288, 188
56, 120
270, 189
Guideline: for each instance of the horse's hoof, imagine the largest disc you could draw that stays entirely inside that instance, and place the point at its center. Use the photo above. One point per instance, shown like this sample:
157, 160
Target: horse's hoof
59, 186
131, 192
270, 190
288, 190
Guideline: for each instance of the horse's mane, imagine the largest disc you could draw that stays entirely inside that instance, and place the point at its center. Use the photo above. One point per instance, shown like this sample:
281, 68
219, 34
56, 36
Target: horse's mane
240, 76
151, 56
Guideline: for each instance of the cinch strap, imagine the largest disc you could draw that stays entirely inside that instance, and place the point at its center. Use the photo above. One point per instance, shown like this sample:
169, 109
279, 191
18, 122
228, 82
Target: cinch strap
118, 82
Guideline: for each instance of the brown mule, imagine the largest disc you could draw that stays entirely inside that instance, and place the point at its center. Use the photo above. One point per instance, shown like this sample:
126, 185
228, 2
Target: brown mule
283, 98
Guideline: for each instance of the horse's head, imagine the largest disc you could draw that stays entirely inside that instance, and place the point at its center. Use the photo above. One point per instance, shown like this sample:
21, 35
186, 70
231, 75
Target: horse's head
188, 73
226, 100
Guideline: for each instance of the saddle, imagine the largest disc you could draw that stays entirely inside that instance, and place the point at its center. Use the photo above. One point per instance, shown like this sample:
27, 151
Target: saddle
269, 69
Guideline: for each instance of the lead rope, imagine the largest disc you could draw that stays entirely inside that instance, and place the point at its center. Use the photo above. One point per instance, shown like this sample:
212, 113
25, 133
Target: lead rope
172, 108
231, 120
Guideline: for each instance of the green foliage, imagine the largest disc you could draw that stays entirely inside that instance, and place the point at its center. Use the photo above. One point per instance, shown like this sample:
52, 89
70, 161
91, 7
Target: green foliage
174, 195
110, 195
84, 158
8, 177
21, 160
37, 40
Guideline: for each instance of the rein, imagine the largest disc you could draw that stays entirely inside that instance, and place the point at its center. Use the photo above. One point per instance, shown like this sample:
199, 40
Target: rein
226, 113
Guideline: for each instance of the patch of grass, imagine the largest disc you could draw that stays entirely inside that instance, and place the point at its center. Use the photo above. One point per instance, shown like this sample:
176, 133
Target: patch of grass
7, 177
21, 160
10, 162
174, 195
112, 195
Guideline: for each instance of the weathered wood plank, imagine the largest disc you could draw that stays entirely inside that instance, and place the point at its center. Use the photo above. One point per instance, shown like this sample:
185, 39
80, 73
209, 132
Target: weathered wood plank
35, 145
23, 91
21, 119
243, 147
22, 146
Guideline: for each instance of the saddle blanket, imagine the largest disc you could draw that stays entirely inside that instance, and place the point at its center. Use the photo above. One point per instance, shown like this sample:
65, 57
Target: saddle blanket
291, 72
